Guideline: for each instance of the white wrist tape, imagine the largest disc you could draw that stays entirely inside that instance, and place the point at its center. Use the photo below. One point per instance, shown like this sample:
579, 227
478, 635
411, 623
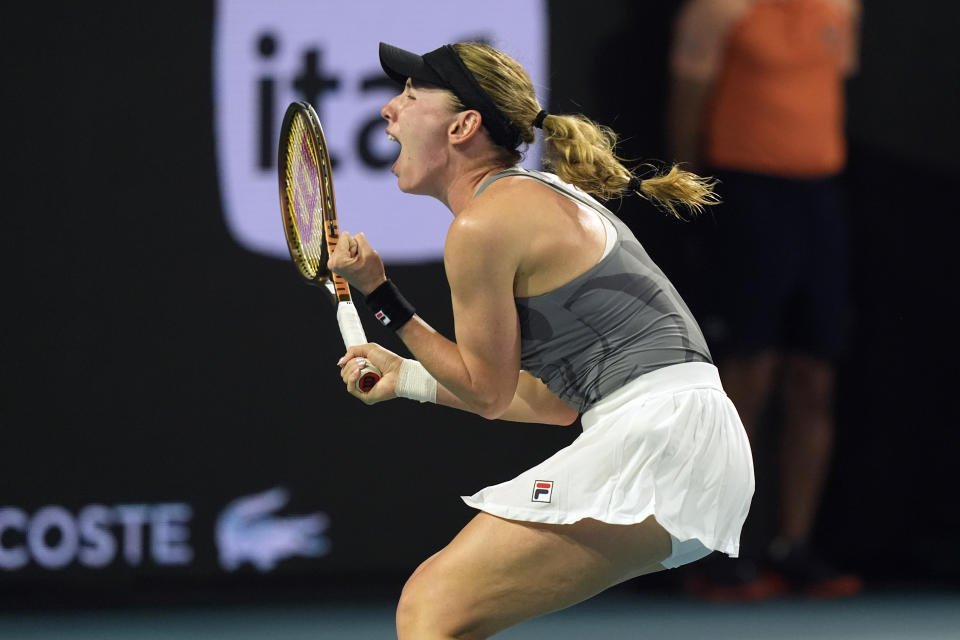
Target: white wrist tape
415, 383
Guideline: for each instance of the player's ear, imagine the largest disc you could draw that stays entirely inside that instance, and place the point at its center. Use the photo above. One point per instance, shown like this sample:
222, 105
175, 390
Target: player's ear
465, 126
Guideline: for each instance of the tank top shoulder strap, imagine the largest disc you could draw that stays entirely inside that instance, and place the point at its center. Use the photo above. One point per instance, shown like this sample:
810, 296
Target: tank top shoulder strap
554, 183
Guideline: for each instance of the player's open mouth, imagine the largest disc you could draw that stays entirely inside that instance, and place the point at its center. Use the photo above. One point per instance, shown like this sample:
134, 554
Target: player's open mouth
393, 138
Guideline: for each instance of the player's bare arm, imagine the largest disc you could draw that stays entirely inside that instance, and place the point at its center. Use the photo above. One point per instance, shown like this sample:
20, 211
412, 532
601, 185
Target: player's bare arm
482, 367
532, 402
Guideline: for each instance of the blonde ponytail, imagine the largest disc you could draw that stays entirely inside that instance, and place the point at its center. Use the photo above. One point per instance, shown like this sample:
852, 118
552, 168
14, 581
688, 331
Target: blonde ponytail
577, 149
677, 186
582, 153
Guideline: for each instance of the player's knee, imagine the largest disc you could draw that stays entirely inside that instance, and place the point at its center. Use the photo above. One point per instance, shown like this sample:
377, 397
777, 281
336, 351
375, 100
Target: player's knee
409, 618
408, 609
418, 613
426, 611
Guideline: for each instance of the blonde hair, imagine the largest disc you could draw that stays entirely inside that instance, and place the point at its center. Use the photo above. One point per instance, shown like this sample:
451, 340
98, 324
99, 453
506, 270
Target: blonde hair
578, 150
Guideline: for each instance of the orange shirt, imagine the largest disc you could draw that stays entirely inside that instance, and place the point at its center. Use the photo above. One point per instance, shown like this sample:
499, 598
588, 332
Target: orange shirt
777, 68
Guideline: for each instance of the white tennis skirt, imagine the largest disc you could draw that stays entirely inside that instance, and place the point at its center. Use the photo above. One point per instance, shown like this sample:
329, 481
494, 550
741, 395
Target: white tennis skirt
669, 444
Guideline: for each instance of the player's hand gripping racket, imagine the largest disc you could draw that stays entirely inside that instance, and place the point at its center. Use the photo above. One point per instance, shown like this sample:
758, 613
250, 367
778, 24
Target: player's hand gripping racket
310, 219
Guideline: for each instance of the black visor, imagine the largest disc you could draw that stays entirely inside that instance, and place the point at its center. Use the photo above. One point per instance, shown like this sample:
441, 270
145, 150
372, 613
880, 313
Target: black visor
444, 68
400, 65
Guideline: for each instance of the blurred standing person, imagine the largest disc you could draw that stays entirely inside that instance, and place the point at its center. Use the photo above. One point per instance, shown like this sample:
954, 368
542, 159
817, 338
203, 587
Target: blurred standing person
757, 100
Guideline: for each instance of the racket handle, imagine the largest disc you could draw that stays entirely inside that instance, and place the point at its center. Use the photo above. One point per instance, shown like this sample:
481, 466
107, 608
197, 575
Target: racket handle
350, 328
352, 332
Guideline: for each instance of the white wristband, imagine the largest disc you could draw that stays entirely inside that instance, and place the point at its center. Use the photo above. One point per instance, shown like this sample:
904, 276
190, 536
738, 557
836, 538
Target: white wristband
415, 383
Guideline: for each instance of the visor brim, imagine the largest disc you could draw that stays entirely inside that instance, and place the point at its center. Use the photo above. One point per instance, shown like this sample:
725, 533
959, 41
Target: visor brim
399, 65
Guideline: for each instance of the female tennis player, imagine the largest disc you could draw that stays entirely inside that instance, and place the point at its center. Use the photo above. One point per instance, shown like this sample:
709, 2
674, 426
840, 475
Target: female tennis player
559, 313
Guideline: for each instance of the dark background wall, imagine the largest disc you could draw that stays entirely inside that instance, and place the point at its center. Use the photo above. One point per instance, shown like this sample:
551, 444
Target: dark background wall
148, 359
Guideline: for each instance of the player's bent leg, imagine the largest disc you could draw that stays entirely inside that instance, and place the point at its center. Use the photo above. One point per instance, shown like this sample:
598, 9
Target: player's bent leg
498, 572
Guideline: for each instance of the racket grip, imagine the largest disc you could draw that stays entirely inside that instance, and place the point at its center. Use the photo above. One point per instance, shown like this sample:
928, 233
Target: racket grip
351, 330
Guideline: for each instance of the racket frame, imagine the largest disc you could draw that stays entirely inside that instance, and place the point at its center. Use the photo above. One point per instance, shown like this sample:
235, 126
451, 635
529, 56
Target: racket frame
335, 286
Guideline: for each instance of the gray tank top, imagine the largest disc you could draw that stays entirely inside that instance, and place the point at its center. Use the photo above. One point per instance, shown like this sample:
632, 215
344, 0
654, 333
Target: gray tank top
619, 320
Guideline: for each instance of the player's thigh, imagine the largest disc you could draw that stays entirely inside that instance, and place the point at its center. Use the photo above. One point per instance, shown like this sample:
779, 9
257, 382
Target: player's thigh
498, 572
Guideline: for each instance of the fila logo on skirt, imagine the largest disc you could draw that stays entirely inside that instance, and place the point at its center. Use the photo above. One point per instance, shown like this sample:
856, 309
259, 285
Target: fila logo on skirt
542, 490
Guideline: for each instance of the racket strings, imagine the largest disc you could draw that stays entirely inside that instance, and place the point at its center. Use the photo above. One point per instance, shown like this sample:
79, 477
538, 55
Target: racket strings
305, 196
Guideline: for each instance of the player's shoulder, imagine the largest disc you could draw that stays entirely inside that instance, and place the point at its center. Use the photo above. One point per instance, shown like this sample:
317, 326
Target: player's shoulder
497, 219
503, 202
513, 192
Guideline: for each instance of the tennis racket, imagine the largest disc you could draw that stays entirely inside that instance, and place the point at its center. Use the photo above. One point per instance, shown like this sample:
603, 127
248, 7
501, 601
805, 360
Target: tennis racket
310, 219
